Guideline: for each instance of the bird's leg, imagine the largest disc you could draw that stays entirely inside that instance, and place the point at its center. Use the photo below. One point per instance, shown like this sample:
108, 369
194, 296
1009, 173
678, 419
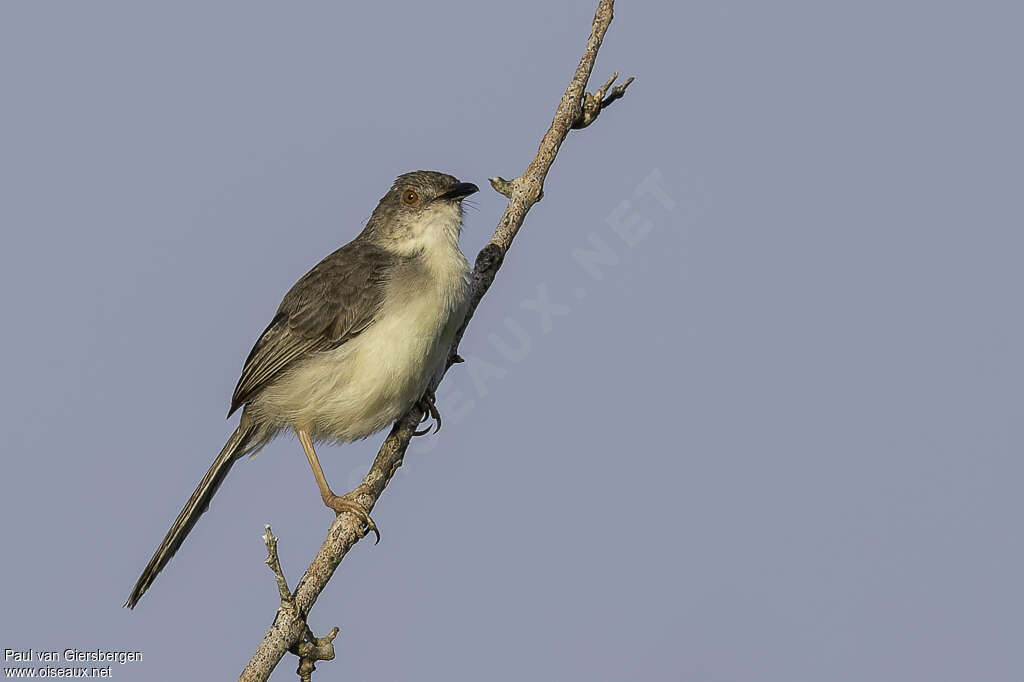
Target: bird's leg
338, 504
428, 405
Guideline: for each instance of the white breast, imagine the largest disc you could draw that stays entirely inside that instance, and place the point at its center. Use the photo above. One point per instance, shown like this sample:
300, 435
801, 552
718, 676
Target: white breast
368, 382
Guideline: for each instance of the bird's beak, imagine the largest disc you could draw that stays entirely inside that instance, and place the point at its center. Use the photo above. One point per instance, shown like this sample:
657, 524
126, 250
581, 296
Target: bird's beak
459, 190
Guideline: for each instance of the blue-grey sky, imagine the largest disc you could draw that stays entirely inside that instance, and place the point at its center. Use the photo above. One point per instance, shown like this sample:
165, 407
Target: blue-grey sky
775, 434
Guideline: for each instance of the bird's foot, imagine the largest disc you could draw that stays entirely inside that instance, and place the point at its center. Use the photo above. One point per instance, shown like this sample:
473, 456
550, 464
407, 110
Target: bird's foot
348, 503
428, 405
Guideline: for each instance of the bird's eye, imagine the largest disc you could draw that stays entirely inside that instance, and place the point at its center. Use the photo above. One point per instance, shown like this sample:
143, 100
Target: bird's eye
410, 197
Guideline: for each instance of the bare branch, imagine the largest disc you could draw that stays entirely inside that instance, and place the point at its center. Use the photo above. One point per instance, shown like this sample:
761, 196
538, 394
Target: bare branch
275, 565
594, 104
312, 648
523, 192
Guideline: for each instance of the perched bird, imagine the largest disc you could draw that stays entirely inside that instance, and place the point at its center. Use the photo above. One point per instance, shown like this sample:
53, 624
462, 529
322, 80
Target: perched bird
354, 343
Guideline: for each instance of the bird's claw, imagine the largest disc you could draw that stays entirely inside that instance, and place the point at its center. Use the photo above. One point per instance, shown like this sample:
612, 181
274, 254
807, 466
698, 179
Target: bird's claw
347, 503
428, 405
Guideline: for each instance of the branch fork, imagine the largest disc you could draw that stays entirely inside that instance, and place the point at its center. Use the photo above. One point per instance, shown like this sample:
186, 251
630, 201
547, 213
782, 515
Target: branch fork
596, 102
312, 648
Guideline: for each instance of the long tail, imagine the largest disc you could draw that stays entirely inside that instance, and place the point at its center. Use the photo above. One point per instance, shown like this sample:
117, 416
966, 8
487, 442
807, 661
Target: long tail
196, 505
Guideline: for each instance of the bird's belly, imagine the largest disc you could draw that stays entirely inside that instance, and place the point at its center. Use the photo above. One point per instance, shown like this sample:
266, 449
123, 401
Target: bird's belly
366, 383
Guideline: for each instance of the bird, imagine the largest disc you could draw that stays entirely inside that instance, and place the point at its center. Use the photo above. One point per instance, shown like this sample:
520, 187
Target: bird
354, 344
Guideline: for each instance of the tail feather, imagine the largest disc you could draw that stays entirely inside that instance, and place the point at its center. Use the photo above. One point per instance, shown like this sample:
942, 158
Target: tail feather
236, 446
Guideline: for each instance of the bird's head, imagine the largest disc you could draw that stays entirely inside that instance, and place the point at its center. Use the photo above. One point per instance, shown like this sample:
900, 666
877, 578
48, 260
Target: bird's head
422, 209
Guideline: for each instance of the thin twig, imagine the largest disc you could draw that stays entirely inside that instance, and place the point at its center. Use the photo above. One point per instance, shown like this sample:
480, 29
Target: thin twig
523, 192
594, 103
312, 648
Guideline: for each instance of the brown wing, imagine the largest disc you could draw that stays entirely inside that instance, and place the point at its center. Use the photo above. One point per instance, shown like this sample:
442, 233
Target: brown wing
333, 302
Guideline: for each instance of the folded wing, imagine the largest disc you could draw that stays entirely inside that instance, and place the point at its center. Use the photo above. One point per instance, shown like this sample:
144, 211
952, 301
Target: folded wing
332, 303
